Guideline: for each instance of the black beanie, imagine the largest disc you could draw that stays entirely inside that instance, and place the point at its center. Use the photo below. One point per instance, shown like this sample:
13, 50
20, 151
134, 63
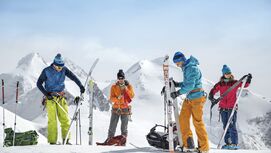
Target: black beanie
121, 74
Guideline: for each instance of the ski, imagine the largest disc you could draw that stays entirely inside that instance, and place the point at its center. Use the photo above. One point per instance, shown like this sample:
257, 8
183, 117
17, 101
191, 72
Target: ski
232, 113
3, 100
169, 103
80, 101
176, 113
91, 98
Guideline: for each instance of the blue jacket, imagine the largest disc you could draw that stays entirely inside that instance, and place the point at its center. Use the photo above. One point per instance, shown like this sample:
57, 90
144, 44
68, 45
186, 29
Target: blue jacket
54, 80
192, 79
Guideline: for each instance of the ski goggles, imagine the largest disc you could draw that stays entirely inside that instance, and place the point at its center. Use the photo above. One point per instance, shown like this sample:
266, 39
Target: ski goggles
59, 67
121, 78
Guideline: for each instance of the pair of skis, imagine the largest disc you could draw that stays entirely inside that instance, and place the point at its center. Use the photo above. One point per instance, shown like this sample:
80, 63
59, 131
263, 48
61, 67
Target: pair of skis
171, 104
77, 109
3, 102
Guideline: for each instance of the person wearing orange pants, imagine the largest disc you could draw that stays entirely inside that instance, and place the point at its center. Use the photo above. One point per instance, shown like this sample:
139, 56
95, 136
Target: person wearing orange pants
193, 108
193, 104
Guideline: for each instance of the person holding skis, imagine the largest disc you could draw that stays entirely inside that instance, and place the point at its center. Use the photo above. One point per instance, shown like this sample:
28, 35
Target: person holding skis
226, 105
121, 96
56, 105
193, 104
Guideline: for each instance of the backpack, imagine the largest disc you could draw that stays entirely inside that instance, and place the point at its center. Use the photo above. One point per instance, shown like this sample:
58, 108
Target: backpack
160, 139
21, 139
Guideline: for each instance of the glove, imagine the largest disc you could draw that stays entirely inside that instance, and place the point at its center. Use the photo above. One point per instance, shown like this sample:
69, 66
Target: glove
76, 100
82, 89
176, 84
211, 97
126, 82
119, 97
249, 77
163, 90
49, 96
175, 94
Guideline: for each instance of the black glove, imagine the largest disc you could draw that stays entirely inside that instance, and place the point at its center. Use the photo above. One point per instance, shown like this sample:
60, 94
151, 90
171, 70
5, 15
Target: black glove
175, 94
76, 100
211, 97
249, 77
49, 96
163, 90
82, 89
176, 84
126, 82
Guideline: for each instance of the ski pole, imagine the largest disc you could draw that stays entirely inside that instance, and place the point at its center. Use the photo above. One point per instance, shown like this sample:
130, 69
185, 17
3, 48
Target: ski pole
76, 129
17, 94
231, 116
81, 98
3, 100
80, 127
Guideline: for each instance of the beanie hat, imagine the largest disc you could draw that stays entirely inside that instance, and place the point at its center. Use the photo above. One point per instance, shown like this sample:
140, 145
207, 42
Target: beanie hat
225, 69
121, 74
58, 61
179, 57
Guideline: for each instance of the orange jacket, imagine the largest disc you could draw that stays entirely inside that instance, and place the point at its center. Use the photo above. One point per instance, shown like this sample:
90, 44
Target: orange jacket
121, 97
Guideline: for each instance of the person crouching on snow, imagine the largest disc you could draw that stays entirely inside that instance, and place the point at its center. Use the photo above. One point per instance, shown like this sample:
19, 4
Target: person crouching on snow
121, 94
56, 104
226, 105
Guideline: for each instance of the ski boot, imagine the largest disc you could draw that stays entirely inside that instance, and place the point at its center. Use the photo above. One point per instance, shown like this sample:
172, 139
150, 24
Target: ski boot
234, 147
68, 143
190, 146
230, 147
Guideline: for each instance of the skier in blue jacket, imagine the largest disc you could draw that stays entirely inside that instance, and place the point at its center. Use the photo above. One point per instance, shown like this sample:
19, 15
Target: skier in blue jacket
56, 105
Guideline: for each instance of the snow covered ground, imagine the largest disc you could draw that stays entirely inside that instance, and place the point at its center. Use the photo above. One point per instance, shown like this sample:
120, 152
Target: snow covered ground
92, 149
146, 77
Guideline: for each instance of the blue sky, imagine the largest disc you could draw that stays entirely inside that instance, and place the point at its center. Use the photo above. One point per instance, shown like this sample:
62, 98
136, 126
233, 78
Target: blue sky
121, 32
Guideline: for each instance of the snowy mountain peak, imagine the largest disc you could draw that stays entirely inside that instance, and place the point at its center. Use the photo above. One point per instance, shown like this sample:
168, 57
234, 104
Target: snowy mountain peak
30, 60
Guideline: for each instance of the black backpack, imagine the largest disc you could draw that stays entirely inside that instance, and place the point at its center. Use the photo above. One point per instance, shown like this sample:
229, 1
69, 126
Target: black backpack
160, 139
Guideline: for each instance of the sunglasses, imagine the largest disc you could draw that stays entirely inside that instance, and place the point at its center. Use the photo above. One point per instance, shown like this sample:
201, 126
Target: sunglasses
120, 78
59, 67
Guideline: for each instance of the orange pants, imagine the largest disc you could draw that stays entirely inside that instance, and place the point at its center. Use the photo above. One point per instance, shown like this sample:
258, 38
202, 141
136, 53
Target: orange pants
195, 108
